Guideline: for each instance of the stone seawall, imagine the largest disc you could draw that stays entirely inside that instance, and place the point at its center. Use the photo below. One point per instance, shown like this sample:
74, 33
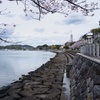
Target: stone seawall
85, 78
45, 83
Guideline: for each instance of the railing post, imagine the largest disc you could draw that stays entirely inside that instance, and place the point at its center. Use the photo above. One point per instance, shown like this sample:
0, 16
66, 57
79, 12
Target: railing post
97, 49
90, 47
94, 50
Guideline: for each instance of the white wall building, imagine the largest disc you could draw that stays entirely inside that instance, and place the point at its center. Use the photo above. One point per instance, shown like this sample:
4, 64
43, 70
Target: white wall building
89, 38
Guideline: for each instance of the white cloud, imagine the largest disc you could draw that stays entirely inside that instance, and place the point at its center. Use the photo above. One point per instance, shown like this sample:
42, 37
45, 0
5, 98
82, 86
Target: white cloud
52, 29
40, 30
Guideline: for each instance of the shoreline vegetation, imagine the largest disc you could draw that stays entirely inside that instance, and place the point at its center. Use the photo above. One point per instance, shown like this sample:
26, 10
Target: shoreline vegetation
28, 47
45, 83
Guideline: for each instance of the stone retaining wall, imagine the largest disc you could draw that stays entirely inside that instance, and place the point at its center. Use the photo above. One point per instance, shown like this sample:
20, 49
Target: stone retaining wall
85, 78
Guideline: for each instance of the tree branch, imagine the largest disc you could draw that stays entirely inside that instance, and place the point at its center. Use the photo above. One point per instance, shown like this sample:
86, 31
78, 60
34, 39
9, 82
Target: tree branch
5, 40
76, 5
1, 12
39, 10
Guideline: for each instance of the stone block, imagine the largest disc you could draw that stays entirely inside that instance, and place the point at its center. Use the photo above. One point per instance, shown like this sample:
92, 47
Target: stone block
13, 92
26, 93
88, 81
88, 90
73, 98
91, 85
96, 67
8, 98
84, 99
97, 98
30, 98
97, 80
96, 91
3, 95
90, 96
63, 96
4, 89
83, 95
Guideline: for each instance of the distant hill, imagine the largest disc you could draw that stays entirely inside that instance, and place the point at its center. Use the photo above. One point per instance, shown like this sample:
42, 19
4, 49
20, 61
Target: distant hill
18, 47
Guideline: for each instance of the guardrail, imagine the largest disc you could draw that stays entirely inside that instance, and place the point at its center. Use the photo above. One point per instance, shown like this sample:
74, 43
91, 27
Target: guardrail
91, 50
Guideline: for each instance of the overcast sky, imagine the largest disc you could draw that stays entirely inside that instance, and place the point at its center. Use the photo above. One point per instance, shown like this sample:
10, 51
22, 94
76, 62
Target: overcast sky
52, 29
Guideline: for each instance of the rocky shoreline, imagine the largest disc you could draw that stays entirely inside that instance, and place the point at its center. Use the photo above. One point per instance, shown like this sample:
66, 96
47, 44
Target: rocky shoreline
45, 83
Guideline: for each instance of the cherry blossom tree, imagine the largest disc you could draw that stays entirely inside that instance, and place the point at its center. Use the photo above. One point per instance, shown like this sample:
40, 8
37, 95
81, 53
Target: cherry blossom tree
5, 31
57, 6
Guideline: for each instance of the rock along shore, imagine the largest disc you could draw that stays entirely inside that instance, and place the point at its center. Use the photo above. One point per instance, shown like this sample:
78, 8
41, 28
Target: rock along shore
45, 83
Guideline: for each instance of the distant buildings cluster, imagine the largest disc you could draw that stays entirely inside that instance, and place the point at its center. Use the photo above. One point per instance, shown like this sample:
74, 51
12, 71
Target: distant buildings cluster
88, 38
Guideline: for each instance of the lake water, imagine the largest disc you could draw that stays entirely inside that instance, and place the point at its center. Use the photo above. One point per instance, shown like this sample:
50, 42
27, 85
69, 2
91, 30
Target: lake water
15, 63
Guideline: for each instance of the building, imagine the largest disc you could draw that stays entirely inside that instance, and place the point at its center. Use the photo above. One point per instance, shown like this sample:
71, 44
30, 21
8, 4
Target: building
89, 38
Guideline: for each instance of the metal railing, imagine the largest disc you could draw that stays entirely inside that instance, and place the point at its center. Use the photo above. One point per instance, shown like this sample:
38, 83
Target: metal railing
91, 49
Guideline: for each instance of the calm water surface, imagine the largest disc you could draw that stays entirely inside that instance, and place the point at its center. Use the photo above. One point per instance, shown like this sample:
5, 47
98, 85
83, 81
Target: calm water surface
15, 63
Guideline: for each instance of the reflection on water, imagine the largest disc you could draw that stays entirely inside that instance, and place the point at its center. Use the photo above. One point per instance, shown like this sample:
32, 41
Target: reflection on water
15, 63
66, 88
